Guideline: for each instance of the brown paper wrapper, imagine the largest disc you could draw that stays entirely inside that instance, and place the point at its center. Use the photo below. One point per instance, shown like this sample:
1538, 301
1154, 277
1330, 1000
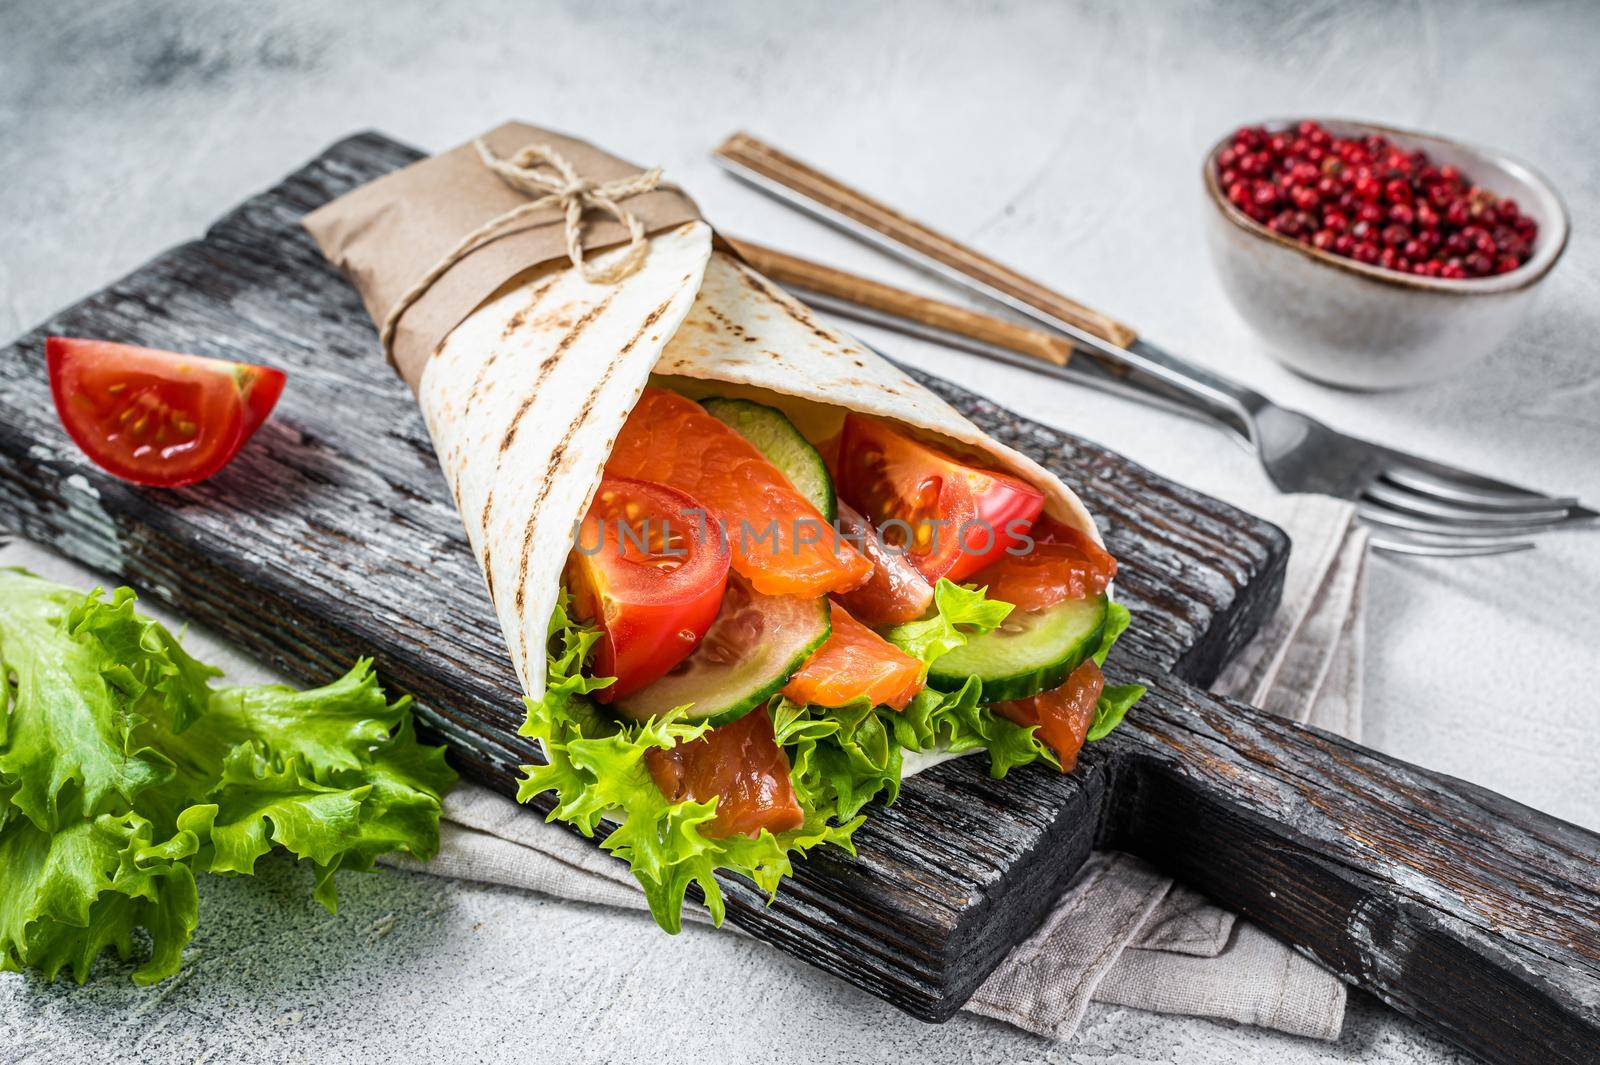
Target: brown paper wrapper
388, 233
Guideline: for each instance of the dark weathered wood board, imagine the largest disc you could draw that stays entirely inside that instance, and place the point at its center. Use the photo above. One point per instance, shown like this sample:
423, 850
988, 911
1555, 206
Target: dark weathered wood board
333, 535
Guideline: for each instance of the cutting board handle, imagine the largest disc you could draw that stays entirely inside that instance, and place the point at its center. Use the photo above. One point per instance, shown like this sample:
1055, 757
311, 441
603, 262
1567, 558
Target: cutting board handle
1474, 914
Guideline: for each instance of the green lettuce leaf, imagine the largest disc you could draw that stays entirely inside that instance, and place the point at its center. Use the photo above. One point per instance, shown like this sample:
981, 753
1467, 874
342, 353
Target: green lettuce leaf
334, 775
955, 722
68, 895
123, 774
1115, 702
1117, 699
86, 672
1117, 621
841, 758
597, 772
957, 612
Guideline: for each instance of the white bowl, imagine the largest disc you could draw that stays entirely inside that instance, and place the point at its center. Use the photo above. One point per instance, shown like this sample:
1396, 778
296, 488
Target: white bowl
1359, 326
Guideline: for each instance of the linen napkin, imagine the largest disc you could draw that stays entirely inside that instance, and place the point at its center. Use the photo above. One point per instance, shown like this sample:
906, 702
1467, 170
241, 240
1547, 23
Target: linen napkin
1125, 935
1122, 933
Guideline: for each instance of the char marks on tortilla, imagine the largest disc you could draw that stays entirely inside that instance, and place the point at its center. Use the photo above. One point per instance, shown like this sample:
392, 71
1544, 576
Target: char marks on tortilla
791, 359
526, 397
555, 387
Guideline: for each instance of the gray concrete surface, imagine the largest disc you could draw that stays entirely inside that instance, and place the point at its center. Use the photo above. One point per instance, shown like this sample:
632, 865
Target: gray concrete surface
1065, 139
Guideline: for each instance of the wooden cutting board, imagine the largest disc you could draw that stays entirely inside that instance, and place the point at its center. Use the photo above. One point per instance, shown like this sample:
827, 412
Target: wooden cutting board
333, 536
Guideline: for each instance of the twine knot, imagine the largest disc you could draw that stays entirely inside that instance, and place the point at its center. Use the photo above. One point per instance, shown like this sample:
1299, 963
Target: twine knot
543, 173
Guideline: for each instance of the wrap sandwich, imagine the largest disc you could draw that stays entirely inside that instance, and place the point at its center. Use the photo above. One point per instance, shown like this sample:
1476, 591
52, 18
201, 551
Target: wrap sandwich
749, 572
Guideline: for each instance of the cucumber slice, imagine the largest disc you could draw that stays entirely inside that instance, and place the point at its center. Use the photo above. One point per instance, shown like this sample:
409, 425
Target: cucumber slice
756, 644
775, 436
1029, 653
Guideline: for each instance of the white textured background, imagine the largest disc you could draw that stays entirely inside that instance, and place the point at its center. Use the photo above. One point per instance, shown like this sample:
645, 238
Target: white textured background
1063, 138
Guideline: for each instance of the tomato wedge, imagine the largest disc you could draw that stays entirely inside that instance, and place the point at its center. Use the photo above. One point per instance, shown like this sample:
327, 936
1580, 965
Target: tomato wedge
742, 767
1063, 564
950, 517
156, 417
855, 662
1063, 714
896, 592
641, 573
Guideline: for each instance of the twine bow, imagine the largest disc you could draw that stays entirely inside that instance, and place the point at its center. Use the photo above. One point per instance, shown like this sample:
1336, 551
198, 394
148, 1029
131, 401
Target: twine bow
562, 185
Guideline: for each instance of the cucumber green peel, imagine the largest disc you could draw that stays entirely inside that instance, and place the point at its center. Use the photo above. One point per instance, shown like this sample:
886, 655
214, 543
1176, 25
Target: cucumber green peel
1027, 654
840, 758
775, 436
718, 692
958, 720
595, 766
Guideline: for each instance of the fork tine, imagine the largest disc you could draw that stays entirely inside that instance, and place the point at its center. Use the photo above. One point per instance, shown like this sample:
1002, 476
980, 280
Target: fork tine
1378, 514
1405, 499
1458, 486
1459, 549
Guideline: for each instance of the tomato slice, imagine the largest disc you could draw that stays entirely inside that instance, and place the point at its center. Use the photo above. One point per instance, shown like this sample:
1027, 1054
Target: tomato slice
950, 517
897, 592
742, 767
1063, 714
780, 542
156, 417
855, 662
639, 570
1063, 564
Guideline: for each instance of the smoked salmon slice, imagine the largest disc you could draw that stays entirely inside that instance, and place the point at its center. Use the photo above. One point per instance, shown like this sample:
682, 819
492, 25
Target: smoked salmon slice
1063, 564
741, 766
778, 540
854, 663
1063, 714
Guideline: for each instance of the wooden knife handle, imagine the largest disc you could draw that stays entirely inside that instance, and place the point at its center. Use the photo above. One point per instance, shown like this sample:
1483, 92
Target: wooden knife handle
773, 165
811, 276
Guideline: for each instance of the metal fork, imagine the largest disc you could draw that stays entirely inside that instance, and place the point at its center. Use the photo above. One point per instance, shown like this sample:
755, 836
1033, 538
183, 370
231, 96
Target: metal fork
1416, 506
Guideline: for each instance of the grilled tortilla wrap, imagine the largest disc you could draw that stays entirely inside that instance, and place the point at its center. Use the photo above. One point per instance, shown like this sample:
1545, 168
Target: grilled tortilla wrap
525, 398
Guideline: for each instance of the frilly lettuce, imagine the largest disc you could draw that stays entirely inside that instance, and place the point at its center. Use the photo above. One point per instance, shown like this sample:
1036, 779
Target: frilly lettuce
596, 769
957, 613
953, 721
124, 773
840, 758
1115, 699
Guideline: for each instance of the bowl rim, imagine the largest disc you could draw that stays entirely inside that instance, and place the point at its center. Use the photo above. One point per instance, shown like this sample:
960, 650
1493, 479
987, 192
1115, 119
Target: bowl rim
1529, 273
